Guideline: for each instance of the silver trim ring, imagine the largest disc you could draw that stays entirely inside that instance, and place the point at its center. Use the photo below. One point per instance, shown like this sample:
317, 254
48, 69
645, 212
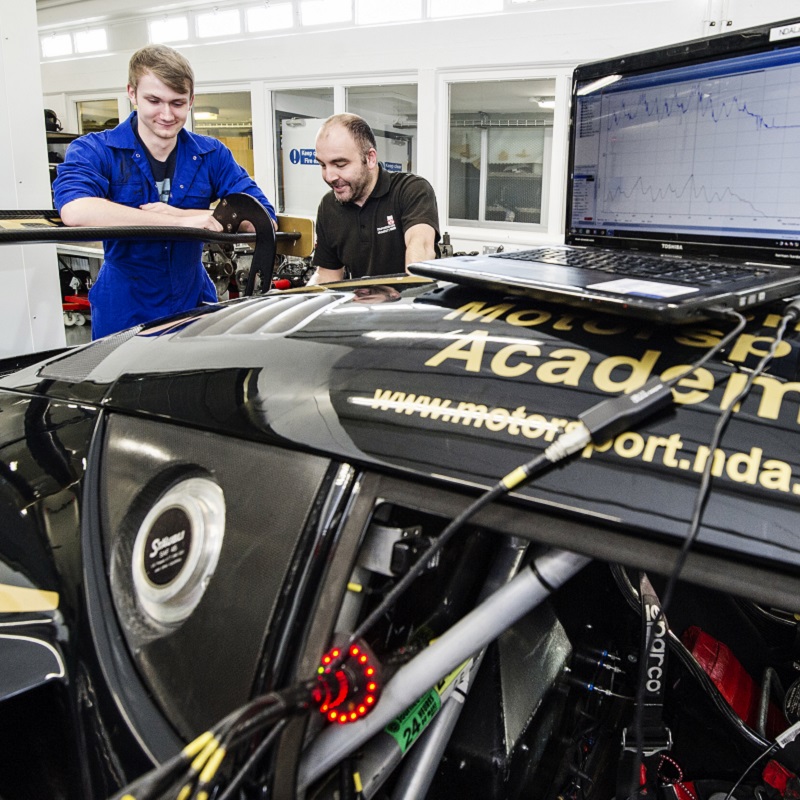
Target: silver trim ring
177, 549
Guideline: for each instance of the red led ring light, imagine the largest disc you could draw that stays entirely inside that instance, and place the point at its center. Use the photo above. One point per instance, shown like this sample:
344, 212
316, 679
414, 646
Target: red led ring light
348, 684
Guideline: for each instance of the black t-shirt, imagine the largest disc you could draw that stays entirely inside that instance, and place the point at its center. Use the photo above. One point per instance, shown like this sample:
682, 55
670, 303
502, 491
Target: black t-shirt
369, 240
163, 171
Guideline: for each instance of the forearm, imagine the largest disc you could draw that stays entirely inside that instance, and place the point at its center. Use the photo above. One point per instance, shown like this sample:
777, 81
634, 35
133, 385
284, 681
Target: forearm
323, 275
420, 244
97, 211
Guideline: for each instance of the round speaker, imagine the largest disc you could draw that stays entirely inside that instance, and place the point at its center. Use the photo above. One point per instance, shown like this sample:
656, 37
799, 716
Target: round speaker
177, 548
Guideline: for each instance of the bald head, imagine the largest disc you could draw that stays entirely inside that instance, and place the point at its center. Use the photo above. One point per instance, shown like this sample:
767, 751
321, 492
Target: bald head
345, 149
356, 128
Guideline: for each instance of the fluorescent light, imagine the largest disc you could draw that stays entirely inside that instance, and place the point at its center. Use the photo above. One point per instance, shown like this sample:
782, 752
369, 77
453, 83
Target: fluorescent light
206, 112
546, 103
600, 83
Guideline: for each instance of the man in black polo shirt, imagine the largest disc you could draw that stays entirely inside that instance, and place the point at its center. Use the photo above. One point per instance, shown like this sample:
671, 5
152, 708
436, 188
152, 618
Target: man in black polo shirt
373, 222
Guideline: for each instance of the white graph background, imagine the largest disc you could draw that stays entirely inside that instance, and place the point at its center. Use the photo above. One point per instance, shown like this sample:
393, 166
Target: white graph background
721, 153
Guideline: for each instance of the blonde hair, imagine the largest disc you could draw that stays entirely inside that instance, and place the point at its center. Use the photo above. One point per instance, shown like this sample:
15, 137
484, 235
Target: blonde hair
168, 65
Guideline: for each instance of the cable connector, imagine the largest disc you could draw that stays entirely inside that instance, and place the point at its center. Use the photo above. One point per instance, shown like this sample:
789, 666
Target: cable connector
610, 417
568, 443
789, 735
792, 309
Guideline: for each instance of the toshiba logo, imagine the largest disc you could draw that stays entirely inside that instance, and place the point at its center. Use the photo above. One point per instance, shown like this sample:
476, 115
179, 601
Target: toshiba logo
668, 246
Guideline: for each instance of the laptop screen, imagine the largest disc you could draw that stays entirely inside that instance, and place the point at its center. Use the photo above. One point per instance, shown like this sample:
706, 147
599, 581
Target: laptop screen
694, 148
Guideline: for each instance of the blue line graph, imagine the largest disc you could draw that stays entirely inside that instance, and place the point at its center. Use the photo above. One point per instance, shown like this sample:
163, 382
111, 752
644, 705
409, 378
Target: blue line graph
689, 190
723, 151
700, 103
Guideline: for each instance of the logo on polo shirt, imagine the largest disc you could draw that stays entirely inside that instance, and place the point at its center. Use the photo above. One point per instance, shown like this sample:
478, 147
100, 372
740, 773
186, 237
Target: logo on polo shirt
389, 226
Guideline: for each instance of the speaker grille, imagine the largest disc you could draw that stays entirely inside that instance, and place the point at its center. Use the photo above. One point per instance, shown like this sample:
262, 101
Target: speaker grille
201, 664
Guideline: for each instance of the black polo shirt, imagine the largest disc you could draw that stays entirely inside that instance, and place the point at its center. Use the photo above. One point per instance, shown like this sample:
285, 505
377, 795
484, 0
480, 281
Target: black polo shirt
369, 240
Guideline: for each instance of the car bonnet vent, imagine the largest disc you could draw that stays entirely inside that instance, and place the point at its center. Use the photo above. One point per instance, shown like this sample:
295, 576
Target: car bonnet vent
77, 366
274, 315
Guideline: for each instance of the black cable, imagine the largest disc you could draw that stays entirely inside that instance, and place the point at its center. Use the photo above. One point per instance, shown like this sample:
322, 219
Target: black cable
755, 761
719, 346
791, 313
521, 474
254, 758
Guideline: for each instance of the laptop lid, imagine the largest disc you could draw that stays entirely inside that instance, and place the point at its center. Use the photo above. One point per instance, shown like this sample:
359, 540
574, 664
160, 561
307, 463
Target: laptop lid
690, 150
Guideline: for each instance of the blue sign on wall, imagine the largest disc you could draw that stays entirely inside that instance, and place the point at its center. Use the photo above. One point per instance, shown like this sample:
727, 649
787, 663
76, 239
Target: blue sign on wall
392, 166
304, 155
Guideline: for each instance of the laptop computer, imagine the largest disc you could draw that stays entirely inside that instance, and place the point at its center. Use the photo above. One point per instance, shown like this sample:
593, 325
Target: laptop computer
683, 184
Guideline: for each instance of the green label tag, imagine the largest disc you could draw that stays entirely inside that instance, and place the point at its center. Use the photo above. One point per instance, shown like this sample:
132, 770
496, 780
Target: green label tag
407, 728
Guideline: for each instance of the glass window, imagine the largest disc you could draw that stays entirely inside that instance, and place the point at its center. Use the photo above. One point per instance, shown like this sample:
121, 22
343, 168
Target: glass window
500, 145
91, 41
461, 8
298, 115
227, 116
169, 29
97, 115
325, 12
391, 110
272, 17
373, 12
57, 44
218, 23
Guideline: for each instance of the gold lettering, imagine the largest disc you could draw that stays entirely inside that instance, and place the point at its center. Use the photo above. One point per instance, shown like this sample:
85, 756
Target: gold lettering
518, 413
382, 398
436, 408
629, 445
640, 369
567, 369
700, 380
745, 345
528, 318
501, 367
471, 414
497, 419
564, 323
776, 475
590, 449
670, 445
701, 459
700, 337
478, 310
593, 326
557, 424
750, 461
468, 349
772, 394
535, 426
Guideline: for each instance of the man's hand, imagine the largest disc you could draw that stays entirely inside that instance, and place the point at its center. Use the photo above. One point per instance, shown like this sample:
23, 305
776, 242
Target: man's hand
323, 275
185, 217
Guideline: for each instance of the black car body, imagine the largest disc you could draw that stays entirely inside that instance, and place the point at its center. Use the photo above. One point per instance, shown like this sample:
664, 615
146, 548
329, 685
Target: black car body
342, 429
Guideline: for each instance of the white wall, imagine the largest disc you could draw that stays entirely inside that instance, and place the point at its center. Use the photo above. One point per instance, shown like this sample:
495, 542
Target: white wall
545, 40
31, 312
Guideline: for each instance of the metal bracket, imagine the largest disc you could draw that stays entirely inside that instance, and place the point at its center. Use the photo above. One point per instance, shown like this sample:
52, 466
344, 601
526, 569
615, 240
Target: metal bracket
236, 208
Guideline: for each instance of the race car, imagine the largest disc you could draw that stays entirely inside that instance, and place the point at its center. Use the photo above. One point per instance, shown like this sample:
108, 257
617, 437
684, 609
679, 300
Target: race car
402, 538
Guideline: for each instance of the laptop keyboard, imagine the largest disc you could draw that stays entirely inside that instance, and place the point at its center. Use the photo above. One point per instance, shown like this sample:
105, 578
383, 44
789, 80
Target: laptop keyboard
629, 265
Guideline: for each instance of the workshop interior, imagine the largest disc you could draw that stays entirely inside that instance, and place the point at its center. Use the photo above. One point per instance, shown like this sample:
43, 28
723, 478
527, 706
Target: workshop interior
517, 519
